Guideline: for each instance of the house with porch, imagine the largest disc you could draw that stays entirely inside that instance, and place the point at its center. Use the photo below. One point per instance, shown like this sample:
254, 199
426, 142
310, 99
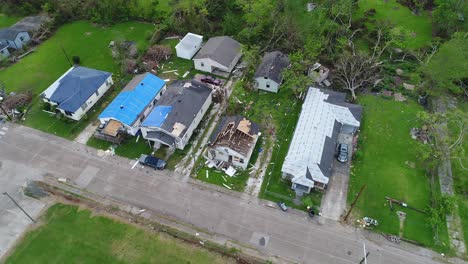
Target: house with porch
177, 114
130, 107
14, 38
77, 90
324, 115
234, 141
269, 74
218, 56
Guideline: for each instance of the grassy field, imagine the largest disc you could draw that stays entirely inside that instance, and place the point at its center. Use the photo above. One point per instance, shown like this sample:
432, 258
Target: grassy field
6, 21
129, 148
40, 69
386, 161
69, 235
419, 25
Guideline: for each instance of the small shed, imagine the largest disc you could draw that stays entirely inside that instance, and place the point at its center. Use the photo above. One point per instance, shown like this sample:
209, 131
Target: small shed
189, 46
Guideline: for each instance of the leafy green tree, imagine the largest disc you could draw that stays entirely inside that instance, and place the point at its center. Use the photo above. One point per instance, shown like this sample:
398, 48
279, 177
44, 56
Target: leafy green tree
295, 77
450, 16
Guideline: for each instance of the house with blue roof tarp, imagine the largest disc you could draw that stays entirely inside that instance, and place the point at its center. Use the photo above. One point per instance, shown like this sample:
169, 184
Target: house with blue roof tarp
126, 112
77, 90
177, 114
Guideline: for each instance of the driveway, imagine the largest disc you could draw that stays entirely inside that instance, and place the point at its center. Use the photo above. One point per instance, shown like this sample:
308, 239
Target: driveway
334, 201
291, 236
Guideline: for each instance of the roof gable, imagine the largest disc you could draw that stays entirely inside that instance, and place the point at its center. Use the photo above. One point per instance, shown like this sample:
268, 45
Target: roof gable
222, 50
75, 87
10, 33
272, 66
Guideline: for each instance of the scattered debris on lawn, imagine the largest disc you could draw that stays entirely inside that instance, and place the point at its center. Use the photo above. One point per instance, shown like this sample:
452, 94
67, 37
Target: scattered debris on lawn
227, 186
367, 222
387, 93
421, 134
391, 201
408, 86
393, 239
319, 74
185, 74
230, 171
399, 97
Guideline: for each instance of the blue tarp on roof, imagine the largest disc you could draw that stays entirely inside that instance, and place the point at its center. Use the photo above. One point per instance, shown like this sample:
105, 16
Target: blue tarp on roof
157, 117
77, 86
128, 105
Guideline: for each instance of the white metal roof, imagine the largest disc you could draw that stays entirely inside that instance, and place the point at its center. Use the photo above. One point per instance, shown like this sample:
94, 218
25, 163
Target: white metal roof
190, 42
316, 123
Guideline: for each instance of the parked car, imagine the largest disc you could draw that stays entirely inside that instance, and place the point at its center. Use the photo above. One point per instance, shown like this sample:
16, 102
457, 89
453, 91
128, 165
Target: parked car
283, 206
211, 80
152, 162
342, 152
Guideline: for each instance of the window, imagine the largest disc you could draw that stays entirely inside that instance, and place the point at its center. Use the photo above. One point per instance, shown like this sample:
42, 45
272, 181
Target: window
241, 160
68, 113
21, 38
202, 64
97, 92
265, 78
267, 85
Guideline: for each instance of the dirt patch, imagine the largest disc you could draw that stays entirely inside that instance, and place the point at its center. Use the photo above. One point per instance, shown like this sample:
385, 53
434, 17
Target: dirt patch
401, 217
88, 33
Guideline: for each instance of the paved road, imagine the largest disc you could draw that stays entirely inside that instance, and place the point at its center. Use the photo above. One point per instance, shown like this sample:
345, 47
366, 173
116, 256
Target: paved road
248, 221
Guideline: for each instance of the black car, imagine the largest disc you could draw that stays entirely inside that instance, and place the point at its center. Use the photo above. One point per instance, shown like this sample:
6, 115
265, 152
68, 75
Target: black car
152, 162
211, 80
342, 152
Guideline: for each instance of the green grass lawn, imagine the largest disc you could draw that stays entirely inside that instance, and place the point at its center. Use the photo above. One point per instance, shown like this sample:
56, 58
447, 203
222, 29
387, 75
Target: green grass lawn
175, 63
386, 161
129, 148
390, 10
69, 235
6, 21
40, 69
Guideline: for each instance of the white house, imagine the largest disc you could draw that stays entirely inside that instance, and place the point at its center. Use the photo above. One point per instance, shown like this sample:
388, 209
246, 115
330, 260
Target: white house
269, 74
188, 46
234, 141
219, 54
134, 103
77, 90
14, 38
4, 51
324, 115
177, 114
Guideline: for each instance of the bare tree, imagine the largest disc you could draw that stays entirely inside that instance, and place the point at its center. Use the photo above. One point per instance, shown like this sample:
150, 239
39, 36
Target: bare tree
356, 71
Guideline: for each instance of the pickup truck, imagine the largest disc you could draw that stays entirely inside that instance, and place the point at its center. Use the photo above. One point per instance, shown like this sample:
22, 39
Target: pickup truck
152, 162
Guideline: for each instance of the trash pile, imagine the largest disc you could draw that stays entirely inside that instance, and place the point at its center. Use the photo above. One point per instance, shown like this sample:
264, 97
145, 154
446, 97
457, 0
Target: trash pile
367, 222
421, 134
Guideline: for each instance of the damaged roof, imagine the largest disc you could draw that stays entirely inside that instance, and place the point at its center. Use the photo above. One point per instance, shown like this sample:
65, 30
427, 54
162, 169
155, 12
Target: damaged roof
225, 134
272, 66
178, 107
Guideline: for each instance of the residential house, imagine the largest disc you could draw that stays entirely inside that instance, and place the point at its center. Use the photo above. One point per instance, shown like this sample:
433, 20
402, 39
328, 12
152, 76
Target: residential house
269, 73
234, 141
4, 53
218, 56
177, 114
77, 90
129, 108
14, 38
324, 115
31, 24
188, 46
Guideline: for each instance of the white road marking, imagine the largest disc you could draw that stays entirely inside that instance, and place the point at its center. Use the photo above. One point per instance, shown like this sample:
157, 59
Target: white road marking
136, 162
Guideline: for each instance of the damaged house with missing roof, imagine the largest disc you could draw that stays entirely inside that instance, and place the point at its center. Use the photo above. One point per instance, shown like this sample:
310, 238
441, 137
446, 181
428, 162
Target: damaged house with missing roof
324, 115
234, 141
177, 114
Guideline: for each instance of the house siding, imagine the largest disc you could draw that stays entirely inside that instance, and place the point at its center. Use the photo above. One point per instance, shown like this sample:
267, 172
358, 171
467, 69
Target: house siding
4, 53
17, 43
223, 154
90, 102
262, 83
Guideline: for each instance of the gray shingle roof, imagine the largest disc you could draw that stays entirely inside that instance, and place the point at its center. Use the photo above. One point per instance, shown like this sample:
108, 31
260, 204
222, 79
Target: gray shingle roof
31, 23
9, 33
220, 49
185, 102
77, 86
272, 66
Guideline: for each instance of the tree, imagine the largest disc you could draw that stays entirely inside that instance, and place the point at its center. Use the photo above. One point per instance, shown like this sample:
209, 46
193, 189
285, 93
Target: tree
295, 77
448, 16
354, 72
448, 68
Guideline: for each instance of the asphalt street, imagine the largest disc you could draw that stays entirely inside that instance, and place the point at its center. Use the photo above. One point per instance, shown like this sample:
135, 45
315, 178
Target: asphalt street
292, 236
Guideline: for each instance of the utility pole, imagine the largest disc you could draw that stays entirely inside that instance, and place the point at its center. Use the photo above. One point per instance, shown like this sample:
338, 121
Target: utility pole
11, 198
354, 203
66, 55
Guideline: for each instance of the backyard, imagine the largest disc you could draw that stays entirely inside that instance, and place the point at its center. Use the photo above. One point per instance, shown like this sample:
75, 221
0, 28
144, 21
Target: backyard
386, 162
70, 235
6, 21
48, 62
419, 26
